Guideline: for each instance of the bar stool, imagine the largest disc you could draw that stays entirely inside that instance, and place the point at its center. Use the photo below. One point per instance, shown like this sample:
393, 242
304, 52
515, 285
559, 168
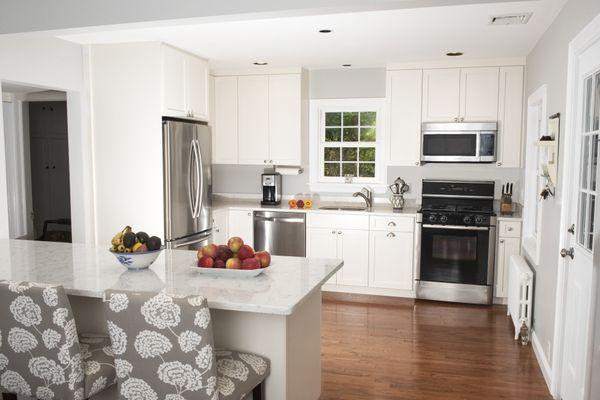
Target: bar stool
41, 354
164, 349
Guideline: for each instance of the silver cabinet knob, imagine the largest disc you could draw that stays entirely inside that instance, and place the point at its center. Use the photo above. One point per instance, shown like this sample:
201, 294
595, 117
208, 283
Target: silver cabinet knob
417, 163
391, 223
339, 232
501, 240
333, 232
461, 119
249, 214
265, 161
499, 164
455, 119
391, 235
568, 253
509, 229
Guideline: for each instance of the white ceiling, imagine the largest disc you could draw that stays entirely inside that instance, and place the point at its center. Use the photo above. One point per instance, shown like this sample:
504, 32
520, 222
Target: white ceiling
365, 39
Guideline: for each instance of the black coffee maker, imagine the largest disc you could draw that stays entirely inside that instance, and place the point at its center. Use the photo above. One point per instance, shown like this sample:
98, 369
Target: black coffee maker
271, 189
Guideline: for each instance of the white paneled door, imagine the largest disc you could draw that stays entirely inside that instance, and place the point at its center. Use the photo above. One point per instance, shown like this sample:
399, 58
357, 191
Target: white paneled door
583, 211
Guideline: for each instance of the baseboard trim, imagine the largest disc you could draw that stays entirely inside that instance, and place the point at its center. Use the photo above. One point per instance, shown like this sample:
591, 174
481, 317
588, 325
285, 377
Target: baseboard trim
339, 297
540, 355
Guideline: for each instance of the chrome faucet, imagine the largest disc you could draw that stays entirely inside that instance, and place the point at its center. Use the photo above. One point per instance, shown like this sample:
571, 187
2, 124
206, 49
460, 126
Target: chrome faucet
367, 194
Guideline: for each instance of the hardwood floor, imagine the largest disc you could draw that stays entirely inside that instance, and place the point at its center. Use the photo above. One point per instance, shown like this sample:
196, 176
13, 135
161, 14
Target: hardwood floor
426, 351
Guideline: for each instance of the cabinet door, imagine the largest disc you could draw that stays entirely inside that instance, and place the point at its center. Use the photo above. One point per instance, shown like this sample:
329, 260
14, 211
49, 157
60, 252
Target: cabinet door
240, 225
197, 87
353, 248
479, 94
391, 256
510, 117
225, 135
174, 93
253, 119
220, 234
404, 92
506, 248
322, 243
441, 94
60, 196
285, 109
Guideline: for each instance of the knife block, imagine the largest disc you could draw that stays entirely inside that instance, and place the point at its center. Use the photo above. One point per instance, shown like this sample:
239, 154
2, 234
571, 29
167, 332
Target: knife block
506, 205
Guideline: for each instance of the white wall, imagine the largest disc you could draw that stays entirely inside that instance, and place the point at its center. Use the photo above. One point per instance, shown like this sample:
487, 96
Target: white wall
547, 64
53, 64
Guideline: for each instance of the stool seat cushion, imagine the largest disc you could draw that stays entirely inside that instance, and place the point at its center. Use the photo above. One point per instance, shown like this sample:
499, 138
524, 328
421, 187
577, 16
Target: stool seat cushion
239, 372
98, 363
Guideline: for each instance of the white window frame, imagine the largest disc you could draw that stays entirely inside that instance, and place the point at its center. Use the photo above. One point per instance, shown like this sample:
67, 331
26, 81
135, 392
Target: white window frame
537, 126
317, 181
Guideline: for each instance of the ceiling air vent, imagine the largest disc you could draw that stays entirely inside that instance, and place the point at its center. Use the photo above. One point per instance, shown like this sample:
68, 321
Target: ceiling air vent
510, 19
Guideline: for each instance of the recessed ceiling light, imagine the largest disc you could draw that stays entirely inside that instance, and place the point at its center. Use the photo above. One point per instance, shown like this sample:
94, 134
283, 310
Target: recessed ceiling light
324, 30
261, 63
346, 65
455, 54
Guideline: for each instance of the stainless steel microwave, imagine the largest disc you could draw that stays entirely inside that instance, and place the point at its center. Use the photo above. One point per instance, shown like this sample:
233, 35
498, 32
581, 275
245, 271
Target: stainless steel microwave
462, 142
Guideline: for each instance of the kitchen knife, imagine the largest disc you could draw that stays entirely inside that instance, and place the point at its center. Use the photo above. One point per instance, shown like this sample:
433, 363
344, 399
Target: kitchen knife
503, 192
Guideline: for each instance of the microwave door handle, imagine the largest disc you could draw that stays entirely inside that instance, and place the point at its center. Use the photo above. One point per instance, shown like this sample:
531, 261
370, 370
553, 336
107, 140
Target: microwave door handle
190, 183
478, 145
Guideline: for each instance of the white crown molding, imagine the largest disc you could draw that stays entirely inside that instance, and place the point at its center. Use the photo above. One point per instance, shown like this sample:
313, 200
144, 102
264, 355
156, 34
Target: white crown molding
457, 63
257, 70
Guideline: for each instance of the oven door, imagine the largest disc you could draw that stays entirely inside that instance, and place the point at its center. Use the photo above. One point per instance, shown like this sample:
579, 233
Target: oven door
457, 254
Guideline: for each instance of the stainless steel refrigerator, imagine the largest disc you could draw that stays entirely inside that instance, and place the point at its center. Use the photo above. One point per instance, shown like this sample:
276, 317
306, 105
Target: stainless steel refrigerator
187, 183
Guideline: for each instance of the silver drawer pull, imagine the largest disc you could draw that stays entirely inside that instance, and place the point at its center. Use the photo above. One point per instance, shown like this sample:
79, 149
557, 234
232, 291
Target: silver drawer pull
509, 229
391, 235
391, 223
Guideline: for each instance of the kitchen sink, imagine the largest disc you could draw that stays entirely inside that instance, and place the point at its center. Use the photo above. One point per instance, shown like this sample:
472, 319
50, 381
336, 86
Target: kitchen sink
344, 208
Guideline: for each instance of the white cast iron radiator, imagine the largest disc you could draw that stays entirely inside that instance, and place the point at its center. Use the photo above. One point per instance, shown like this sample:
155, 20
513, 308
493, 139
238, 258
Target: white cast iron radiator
520, 295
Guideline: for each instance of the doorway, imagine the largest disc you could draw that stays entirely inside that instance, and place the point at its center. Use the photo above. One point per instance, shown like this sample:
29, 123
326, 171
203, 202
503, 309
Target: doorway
37, 159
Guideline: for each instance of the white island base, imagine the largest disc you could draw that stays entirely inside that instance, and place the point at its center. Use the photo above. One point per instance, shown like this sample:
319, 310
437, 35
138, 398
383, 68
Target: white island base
292, 342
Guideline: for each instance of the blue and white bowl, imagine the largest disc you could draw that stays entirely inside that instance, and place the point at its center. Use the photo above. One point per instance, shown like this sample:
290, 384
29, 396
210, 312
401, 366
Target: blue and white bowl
137, 260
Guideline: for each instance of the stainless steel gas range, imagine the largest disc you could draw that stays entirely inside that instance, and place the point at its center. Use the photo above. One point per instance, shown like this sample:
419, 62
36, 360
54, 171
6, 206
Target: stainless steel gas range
457, 231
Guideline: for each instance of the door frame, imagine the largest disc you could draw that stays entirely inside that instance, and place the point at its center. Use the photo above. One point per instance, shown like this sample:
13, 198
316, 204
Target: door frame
588, 36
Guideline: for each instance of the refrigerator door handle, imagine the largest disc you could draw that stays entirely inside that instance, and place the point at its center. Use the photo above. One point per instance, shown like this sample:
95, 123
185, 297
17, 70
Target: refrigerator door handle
199, 179
190, 193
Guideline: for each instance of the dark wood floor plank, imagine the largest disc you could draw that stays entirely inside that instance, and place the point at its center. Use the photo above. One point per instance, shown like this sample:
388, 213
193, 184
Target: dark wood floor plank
405, 350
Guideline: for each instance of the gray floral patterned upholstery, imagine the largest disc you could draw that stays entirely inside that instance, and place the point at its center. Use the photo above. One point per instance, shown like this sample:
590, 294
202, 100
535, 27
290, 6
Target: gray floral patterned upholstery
164, 349
40, 354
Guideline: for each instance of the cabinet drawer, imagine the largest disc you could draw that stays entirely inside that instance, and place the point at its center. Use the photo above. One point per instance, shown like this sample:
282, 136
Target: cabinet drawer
397, 224
337, 221
509, 229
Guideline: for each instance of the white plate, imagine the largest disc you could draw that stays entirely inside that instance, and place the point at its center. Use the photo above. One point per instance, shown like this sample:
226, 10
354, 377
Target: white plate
229, 273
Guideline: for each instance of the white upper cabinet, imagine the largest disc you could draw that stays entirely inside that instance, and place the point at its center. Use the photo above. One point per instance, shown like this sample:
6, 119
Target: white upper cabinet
266, 123
479, 94
185, 85
225, 124
441, 95
253, 119
285, 120
174, 81
510, 117
404, 91
460, 94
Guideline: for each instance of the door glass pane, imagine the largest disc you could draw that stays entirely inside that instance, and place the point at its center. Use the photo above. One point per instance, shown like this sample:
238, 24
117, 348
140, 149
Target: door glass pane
590, 235
585, 162
582, 218
596, 120
594, 162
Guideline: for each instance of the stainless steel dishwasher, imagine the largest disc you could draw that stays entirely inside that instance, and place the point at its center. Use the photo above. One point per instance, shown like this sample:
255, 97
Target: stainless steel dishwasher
280, 233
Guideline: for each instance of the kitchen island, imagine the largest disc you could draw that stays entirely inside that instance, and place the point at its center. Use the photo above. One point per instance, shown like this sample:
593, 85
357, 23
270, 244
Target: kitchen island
276, 314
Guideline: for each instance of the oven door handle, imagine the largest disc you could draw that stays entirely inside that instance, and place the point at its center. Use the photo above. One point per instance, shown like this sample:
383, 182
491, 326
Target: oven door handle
458, 227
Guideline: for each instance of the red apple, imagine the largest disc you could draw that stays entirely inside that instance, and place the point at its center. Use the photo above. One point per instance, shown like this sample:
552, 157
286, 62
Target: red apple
206, 262
219, 263
300, 204
233, 263
209, 250
223, 253
245, 252
250, 263
264, 258
142, 248
235, 243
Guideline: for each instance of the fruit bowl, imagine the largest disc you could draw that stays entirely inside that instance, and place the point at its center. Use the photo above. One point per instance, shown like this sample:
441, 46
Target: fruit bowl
229, 273
137, 260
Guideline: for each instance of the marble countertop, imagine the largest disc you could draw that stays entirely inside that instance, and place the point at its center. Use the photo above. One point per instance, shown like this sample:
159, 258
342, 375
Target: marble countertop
383, 208
89, 271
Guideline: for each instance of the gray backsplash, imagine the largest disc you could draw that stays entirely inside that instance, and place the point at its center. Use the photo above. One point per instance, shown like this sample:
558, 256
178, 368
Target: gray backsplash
245, 179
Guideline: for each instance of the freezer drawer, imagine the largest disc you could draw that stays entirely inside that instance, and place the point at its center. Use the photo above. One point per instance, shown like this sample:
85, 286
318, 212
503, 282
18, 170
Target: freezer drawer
280, 233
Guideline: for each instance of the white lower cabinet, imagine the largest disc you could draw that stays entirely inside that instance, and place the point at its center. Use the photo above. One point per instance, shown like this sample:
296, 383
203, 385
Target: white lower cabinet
353, 248
509, 244
322, 243
220, 227
240, 224
391, 260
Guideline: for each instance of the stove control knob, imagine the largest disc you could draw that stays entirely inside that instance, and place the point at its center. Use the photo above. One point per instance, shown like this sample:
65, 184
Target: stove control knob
467, 219
479, 219
444, 219
432, 218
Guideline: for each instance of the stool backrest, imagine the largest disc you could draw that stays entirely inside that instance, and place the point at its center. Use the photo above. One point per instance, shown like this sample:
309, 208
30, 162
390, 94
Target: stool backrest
163, 346
39, 348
